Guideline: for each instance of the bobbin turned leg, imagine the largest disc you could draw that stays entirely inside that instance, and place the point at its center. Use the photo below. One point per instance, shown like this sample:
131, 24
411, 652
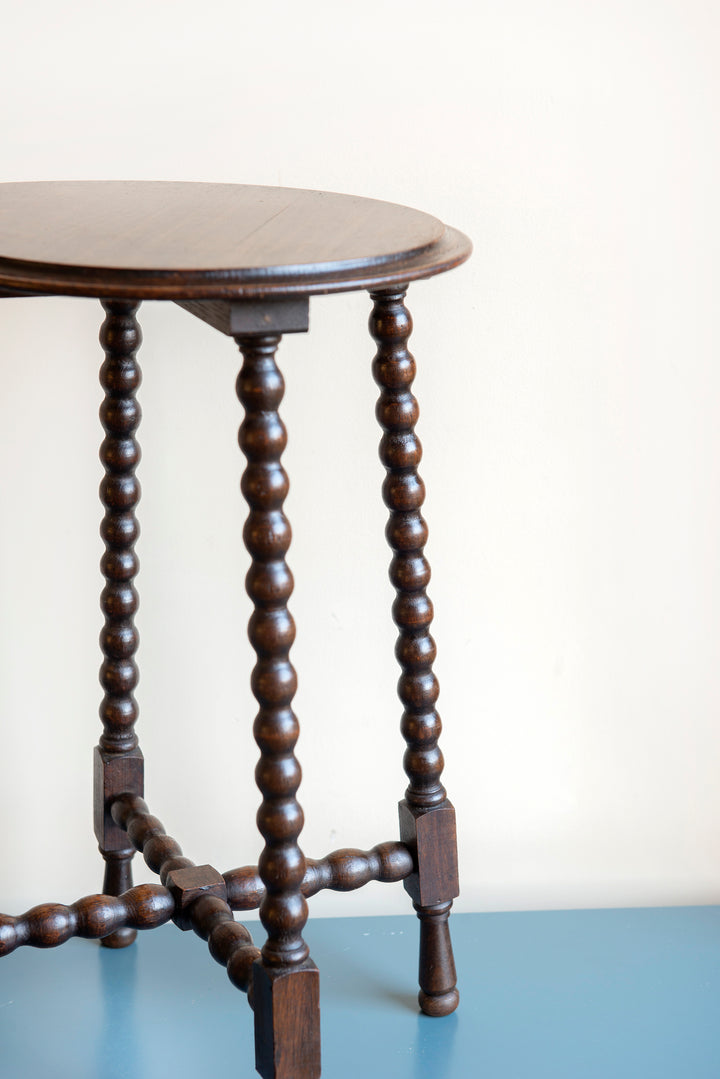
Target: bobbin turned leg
427, 818
285, 980
118, 761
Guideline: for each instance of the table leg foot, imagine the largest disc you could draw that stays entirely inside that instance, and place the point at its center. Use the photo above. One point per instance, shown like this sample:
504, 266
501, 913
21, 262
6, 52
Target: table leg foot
438, 993
287, 1021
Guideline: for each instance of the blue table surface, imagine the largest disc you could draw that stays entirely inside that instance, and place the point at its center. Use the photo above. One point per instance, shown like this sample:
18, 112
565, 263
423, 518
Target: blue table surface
594, 993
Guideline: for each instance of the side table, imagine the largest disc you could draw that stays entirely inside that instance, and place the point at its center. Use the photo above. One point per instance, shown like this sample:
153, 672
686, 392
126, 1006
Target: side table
246, 260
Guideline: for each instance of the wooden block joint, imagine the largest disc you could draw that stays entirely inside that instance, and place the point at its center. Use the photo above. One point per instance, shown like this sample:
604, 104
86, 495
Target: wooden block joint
288, 314
287, 1021
185, 885
430, 835
115, 774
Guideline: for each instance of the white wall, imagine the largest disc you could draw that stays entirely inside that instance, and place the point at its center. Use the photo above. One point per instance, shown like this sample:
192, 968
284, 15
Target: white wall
570, 388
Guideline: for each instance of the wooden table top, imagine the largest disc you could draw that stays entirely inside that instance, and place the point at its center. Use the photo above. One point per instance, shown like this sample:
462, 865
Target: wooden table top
158, 240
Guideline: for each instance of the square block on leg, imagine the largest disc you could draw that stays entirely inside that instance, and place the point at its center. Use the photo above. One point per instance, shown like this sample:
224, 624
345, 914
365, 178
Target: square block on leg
187, 884
431, 837
287, 1021
114, 774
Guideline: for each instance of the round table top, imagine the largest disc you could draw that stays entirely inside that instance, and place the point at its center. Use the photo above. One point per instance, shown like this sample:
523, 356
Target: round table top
158, 240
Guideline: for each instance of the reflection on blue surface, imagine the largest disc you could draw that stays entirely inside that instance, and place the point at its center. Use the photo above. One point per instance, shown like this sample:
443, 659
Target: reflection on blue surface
117, 1049
581, 994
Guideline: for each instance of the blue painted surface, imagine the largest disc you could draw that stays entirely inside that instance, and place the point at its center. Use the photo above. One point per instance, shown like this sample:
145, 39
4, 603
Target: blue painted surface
581, 994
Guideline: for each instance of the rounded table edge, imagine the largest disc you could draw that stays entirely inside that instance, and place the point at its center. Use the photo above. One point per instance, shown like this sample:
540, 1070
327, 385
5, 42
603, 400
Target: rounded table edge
31, 279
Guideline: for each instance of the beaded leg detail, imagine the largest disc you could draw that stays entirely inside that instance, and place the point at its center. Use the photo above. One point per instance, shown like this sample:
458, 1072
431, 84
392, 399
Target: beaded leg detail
286, 984
118, 761
427, 818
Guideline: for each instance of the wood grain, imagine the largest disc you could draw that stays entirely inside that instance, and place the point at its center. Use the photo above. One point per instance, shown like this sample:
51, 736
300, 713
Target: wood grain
95, 917
287, 1021
143, 240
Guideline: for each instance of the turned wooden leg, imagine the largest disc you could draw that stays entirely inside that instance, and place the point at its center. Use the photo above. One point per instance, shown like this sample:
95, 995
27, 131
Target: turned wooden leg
285, 980
118, 761
427, 818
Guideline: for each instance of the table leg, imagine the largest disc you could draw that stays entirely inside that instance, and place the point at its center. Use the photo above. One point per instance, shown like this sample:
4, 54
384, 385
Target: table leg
118, 760
285, 980
427, 818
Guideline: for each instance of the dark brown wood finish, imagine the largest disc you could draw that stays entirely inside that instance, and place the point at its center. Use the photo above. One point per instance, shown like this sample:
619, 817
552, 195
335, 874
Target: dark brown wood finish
180, 241
118, 760
287, 1021
269, 583
341, 871
147, 834
206, 910
94, 917
284, 975
427, 819
245, 260
229, 942
283, 315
